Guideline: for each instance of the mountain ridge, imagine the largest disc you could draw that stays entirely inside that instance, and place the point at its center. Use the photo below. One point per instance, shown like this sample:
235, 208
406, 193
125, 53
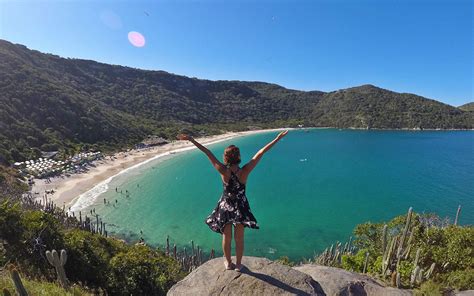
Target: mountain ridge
54, 103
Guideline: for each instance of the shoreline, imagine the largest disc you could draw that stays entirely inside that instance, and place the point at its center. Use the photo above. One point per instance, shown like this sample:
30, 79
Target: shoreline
79, 191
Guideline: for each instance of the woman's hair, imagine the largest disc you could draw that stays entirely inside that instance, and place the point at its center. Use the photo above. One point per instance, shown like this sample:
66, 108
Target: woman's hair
231, 155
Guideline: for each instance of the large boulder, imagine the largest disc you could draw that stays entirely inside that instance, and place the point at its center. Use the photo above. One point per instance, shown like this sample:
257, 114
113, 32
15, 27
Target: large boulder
259, 276
465, 293
340, 282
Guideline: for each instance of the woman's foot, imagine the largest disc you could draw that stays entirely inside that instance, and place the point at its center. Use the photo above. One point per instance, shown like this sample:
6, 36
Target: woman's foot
238, 267
229, 265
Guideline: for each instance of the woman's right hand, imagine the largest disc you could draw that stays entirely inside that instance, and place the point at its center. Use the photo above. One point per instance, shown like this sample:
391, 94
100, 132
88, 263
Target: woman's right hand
184, 137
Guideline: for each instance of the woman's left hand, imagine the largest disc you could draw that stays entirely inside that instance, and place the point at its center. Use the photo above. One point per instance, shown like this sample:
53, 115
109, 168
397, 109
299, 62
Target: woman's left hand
282, 134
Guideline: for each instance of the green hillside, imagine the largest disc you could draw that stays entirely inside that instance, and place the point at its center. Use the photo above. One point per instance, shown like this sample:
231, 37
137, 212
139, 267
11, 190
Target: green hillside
52, 103
467, 107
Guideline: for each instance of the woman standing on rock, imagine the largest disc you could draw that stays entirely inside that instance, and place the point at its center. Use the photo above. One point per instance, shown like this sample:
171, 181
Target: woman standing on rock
233, 207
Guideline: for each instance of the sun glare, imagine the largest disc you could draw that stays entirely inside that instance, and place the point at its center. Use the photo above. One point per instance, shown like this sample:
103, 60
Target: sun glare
136, 39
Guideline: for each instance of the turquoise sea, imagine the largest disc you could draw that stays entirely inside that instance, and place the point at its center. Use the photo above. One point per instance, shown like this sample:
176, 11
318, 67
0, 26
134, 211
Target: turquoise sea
309, 191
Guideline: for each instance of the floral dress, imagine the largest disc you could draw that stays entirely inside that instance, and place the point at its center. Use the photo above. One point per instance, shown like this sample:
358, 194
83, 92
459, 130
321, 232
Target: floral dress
233, 207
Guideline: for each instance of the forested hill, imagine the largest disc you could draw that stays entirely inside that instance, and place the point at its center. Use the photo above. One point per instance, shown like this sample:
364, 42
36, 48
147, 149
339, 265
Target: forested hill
467, 107
49, 103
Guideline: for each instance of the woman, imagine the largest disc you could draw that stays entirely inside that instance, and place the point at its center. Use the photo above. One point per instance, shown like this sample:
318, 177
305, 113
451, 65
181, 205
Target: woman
233, 207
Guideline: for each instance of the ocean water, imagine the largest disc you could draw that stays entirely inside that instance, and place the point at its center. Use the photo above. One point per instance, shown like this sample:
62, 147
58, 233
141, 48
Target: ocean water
309, 191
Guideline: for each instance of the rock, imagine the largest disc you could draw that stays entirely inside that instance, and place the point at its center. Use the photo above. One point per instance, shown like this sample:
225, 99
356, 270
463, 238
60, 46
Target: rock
336, 281
465, 293
259, 276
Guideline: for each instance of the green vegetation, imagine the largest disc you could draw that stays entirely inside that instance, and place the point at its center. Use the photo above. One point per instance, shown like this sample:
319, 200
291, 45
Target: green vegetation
40, 288
10, 184
467, 107
51, 103
414, 250
99, 263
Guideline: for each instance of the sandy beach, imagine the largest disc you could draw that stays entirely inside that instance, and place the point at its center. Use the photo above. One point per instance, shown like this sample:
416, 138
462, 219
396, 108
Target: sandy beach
68, 189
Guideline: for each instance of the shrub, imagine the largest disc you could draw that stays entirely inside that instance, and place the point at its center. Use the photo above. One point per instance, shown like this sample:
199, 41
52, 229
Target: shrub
142, 271
460, 280
449, 247
429, 288
89, 256
285, 261
101, 263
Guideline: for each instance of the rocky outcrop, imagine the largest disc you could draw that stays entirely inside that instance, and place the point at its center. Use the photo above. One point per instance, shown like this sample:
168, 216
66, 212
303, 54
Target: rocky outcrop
336, 281
261, 276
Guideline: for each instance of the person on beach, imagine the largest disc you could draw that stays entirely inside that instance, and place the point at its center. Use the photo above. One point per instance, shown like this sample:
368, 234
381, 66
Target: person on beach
233, 207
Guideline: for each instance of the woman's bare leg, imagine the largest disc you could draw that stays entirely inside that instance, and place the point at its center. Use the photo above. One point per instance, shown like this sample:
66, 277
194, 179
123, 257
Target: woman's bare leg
239, 242
226, 243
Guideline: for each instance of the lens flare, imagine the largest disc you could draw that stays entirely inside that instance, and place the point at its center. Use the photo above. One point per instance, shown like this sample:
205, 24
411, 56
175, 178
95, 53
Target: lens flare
136, 39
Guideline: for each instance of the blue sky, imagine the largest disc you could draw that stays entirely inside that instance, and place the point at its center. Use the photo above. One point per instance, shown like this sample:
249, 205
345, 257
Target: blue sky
419, 46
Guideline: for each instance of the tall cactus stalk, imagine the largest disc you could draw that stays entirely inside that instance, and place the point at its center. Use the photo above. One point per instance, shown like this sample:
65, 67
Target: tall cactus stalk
417, 257
58, 261
409, 243
457, 215
386, 259
212, 254
20, 289
384, 238
398, 280
366, 262
430, 271
405, 232
414, 275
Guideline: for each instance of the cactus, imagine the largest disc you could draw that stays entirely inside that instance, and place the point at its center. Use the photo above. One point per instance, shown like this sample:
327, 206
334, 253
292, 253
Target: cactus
20, 289
197, 255
414, 275
386, 259
212, 254
58, 262
167, 245
174, 251
409, 243
405, 231
366, 262
417, 257
419, 276
457, 215
384, 238
429, 272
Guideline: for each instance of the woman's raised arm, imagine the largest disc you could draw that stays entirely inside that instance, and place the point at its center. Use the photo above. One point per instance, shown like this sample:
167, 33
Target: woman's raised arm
216, 163
246, 169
